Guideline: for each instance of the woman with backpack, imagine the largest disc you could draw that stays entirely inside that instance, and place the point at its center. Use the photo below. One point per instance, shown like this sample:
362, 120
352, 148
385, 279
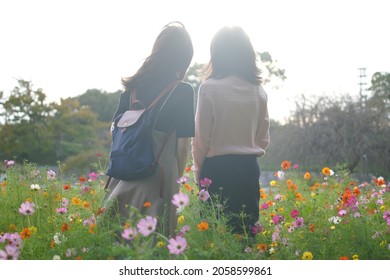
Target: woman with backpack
163, 70
232, 127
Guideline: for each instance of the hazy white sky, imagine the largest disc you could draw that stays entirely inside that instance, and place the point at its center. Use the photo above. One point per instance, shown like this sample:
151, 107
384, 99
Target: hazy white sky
67, 47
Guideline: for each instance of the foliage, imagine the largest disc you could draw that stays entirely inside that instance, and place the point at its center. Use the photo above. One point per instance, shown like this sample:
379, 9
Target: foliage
302, 216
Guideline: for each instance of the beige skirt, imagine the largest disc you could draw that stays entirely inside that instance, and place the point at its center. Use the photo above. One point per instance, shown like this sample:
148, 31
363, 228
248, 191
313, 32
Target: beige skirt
150, 196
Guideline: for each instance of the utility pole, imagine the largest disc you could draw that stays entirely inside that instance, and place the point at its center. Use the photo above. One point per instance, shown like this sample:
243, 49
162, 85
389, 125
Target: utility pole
362, 84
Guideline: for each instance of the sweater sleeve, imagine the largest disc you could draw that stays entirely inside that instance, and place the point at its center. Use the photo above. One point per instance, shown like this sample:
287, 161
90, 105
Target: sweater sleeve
203, 125
263, 135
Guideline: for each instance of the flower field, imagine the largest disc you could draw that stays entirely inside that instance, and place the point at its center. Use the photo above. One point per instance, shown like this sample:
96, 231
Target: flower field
303, 216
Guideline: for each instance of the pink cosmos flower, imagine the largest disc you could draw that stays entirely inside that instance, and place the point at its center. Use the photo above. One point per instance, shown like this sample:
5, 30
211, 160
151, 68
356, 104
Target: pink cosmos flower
9, 163
182, 180
294, 213
298, 222
257, 228
342, 212
13, 239
180, 200
278, 197
10, 253
203, 195
386, 215
205, 182
129, 233
51, 175
62, 210
296, 165
177, 245
64, 202
184, 230
93, 176
147, 225
27, 208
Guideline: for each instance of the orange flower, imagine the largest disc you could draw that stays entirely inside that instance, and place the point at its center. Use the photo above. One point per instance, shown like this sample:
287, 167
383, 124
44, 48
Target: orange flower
82, 179
66, 187
298, 196
344, 258
261, 247
86, 204
188, 187
356, 191
65, 227
187, 169
326, 171
203, 226
52, 244
91, 228
379, 181
286, 165
147, 204
289, 183
57, 197
312, 227
25, 233
100, 211
307, 176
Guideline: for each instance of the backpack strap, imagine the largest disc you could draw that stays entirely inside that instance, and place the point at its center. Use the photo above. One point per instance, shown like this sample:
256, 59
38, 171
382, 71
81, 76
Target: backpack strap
169, 88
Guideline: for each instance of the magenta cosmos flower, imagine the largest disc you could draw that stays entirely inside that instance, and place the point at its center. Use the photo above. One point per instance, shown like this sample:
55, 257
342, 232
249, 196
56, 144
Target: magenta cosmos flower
177, 245
205, 182
294, 213
10, 253
180, 200
277, 219
27, 208
129, 233
147, 225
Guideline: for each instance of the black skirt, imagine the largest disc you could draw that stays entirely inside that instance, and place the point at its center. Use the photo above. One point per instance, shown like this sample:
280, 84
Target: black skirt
235, 178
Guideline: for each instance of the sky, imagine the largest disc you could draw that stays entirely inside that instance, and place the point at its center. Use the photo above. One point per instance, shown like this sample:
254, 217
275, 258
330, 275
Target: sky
68, 47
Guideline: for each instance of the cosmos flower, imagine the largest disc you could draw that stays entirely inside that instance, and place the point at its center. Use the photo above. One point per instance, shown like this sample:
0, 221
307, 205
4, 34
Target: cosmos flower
177, 245
147, 225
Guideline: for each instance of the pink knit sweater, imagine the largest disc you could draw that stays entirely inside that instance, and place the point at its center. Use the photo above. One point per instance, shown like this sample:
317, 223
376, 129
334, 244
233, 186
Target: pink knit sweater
231, 118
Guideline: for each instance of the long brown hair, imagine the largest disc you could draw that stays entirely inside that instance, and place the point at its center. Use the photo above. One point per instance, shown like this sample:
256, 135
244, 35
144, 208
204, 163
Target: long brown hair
232, 53
170, 57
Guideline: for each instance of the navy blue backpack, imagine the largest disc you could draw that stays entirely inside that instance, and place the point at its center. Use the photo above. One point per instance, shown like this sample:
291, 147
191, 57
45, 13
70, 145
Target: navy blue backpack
131, 155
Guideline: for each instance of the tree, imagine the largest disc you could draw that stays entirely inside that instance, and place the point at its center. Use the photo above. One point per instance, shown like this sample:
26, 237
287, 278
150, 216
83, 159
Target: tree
100, 102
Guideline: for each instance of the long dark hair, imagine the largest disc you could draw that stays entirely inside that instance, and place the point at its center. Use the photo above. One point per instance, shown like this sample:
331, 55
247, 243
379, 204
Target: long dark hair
232, 53
170, 57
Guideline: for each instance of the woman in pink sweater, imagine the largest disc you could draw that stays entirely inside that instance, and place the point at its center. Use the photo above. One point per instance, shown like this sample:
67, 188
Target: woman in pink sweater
232, 126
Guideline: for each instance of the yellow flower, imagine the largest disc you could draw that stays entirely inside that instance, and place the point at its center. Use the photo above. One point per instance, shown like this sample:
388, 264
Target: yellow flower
33, 230
313, 194
92, 192
307, 256
76, 201
12, 228
281, 210
160, 244
181, 219
287, 225
332, 227
383, 208
355, 257
273, 183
